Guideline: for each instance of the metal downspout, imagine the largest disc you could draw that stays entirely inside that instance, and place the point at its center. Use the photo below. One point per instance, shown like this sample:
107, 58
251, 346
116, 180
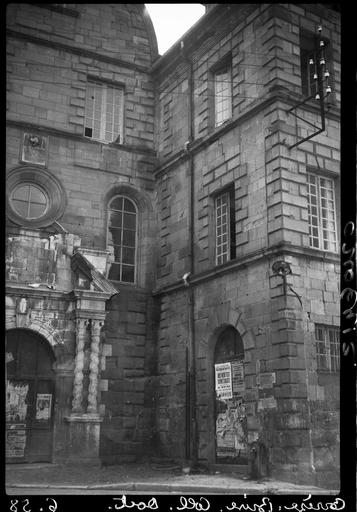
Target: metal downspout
191, 423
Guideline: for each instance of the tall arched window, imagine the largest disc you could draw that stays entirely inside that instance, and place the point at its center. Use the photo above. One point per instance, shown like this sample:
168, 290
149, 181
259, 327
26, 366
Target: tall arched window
122, 238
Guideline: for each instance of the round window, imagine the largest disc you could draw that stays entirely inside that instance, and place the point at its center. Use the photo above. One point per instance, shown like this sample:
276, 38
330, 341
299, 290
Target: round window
29, 201
34, 197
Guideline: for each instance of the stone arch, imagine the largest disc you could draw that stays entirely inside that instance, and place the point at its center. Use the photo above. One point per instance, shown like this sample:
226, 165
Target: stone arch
222, 317
142, 201
52, 336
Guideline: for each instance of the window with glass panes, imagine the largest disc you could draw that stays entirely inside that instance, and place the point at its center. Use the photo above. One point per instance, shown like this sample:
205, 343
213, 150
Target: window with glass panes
222, 95
327, 348
225, 227
322, 213
104, 112
29, 201
122, 238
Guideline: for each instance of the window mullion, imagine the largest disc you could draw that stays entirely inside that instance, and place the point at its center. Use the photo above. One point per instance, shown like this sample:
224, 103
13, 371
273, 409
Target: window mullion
319, 218
103, 112
121, 242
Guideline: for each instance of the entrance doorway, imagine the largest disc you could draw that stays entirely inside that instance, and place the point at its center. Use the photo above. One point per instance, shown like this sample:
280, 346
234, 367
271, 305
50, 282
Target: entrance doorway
230, 414
29, 397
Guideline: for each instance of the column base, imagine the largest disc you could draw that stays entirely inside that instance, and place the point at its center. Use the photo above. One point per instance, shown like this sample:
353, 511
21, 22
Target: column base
83, 438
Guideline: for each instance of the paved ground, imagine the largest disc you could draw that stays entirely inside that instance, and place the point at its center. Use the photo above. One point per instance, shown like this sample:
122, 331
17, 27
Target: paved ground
140, 478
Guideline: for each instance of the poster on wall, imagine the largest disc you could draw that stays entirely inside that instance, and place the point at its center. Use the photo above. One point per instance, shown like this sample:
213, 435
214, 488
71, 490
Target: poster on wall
237, 378
43, 406
223, 379
16, 407
15, 440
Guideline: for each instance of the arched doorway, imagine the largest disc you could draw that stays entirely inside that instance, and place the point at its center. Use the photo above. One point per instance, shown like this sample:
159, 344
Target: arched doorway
29, 397
230, 415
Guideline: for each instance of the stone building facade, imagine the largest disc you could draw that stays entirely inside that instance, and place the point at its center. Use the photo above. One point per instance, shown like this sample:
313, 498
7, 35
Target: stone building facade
172, 237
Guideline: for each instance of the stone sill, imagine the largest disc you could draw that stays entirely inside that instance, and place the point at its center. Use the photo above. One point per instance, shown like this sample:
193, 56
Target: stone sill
83, 418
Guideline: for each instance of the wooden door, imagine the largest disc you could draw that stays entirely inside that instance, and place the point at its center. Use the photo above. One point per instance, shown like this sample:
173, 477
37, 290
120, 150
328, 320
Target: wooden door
29, 397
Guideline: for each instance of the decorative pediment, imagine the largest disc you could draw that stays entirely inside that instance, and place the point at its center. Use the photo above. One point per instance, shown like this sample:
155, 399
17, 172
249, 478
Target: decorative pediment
88, 277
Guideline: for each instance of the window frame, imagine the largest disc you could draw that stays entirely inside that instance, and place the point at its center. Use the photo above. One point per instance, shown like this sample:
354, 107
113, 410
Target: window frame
319, 212
225, 100
90, 109
309, 49
120, 263
29, 201
44, 180
327, 349
230, 226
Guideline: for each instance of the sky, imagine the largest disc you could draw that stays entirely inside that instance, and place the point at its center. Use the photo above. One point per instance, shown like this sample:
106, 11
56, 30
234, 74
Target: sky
171, 21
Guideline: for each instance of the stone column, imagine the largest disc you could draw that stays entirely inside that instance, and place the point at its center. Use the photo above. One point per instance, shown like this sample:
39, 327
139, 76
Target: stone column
94, 367
77, 405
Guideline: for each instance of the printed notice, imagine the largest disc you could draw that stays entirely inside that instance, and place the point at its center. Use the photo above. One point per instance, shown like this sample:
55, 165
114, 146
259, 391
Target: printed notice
223, 373
238, 378
43, 407
15, 440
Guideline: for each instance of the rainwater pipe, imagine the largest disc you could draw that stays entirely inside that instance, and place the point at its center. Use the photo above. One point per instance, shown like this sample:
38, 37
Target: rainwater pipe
191, 414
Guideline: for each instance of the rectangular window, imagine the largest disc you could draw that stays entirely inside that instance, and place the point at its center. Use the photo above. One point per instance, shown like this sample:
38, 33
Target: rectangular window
225, 227
315, 61
327, 348
223, 95
321, 213
104, 112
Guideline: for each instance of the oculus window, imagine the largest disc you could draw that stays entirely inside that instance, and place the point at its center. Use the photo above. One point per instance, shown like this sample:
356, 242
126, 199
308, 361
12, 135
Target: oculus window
29, 201
34, 197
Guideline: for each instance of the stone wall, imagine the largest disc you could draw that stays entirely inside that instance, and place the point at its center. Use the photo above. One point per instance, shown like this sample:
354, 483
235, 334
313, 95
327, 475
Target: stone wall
285, 395
52, 50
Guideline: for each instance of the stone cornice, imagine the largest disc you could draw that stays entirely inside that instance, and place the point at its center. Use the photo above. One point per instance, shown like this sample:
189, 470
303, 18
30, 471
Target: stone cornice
71, 135
198, 145
75, 50
242, 262
79, 263
16, 289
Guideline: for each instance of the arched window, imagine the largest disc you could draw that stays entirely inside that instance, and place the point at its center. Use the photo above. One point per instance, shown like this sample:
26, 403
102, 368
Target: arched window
229, 346
122, 239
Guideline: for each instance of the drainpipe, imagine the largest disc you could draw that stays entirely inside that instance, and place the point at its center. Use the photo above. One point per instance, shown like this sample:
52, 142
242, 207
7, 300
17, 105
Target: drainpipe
191, 419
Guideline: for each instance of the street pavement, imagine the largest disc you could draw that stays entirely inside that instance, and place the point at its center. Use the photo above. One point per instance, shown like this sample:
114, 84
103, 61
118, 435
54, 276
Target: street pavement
144, 478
